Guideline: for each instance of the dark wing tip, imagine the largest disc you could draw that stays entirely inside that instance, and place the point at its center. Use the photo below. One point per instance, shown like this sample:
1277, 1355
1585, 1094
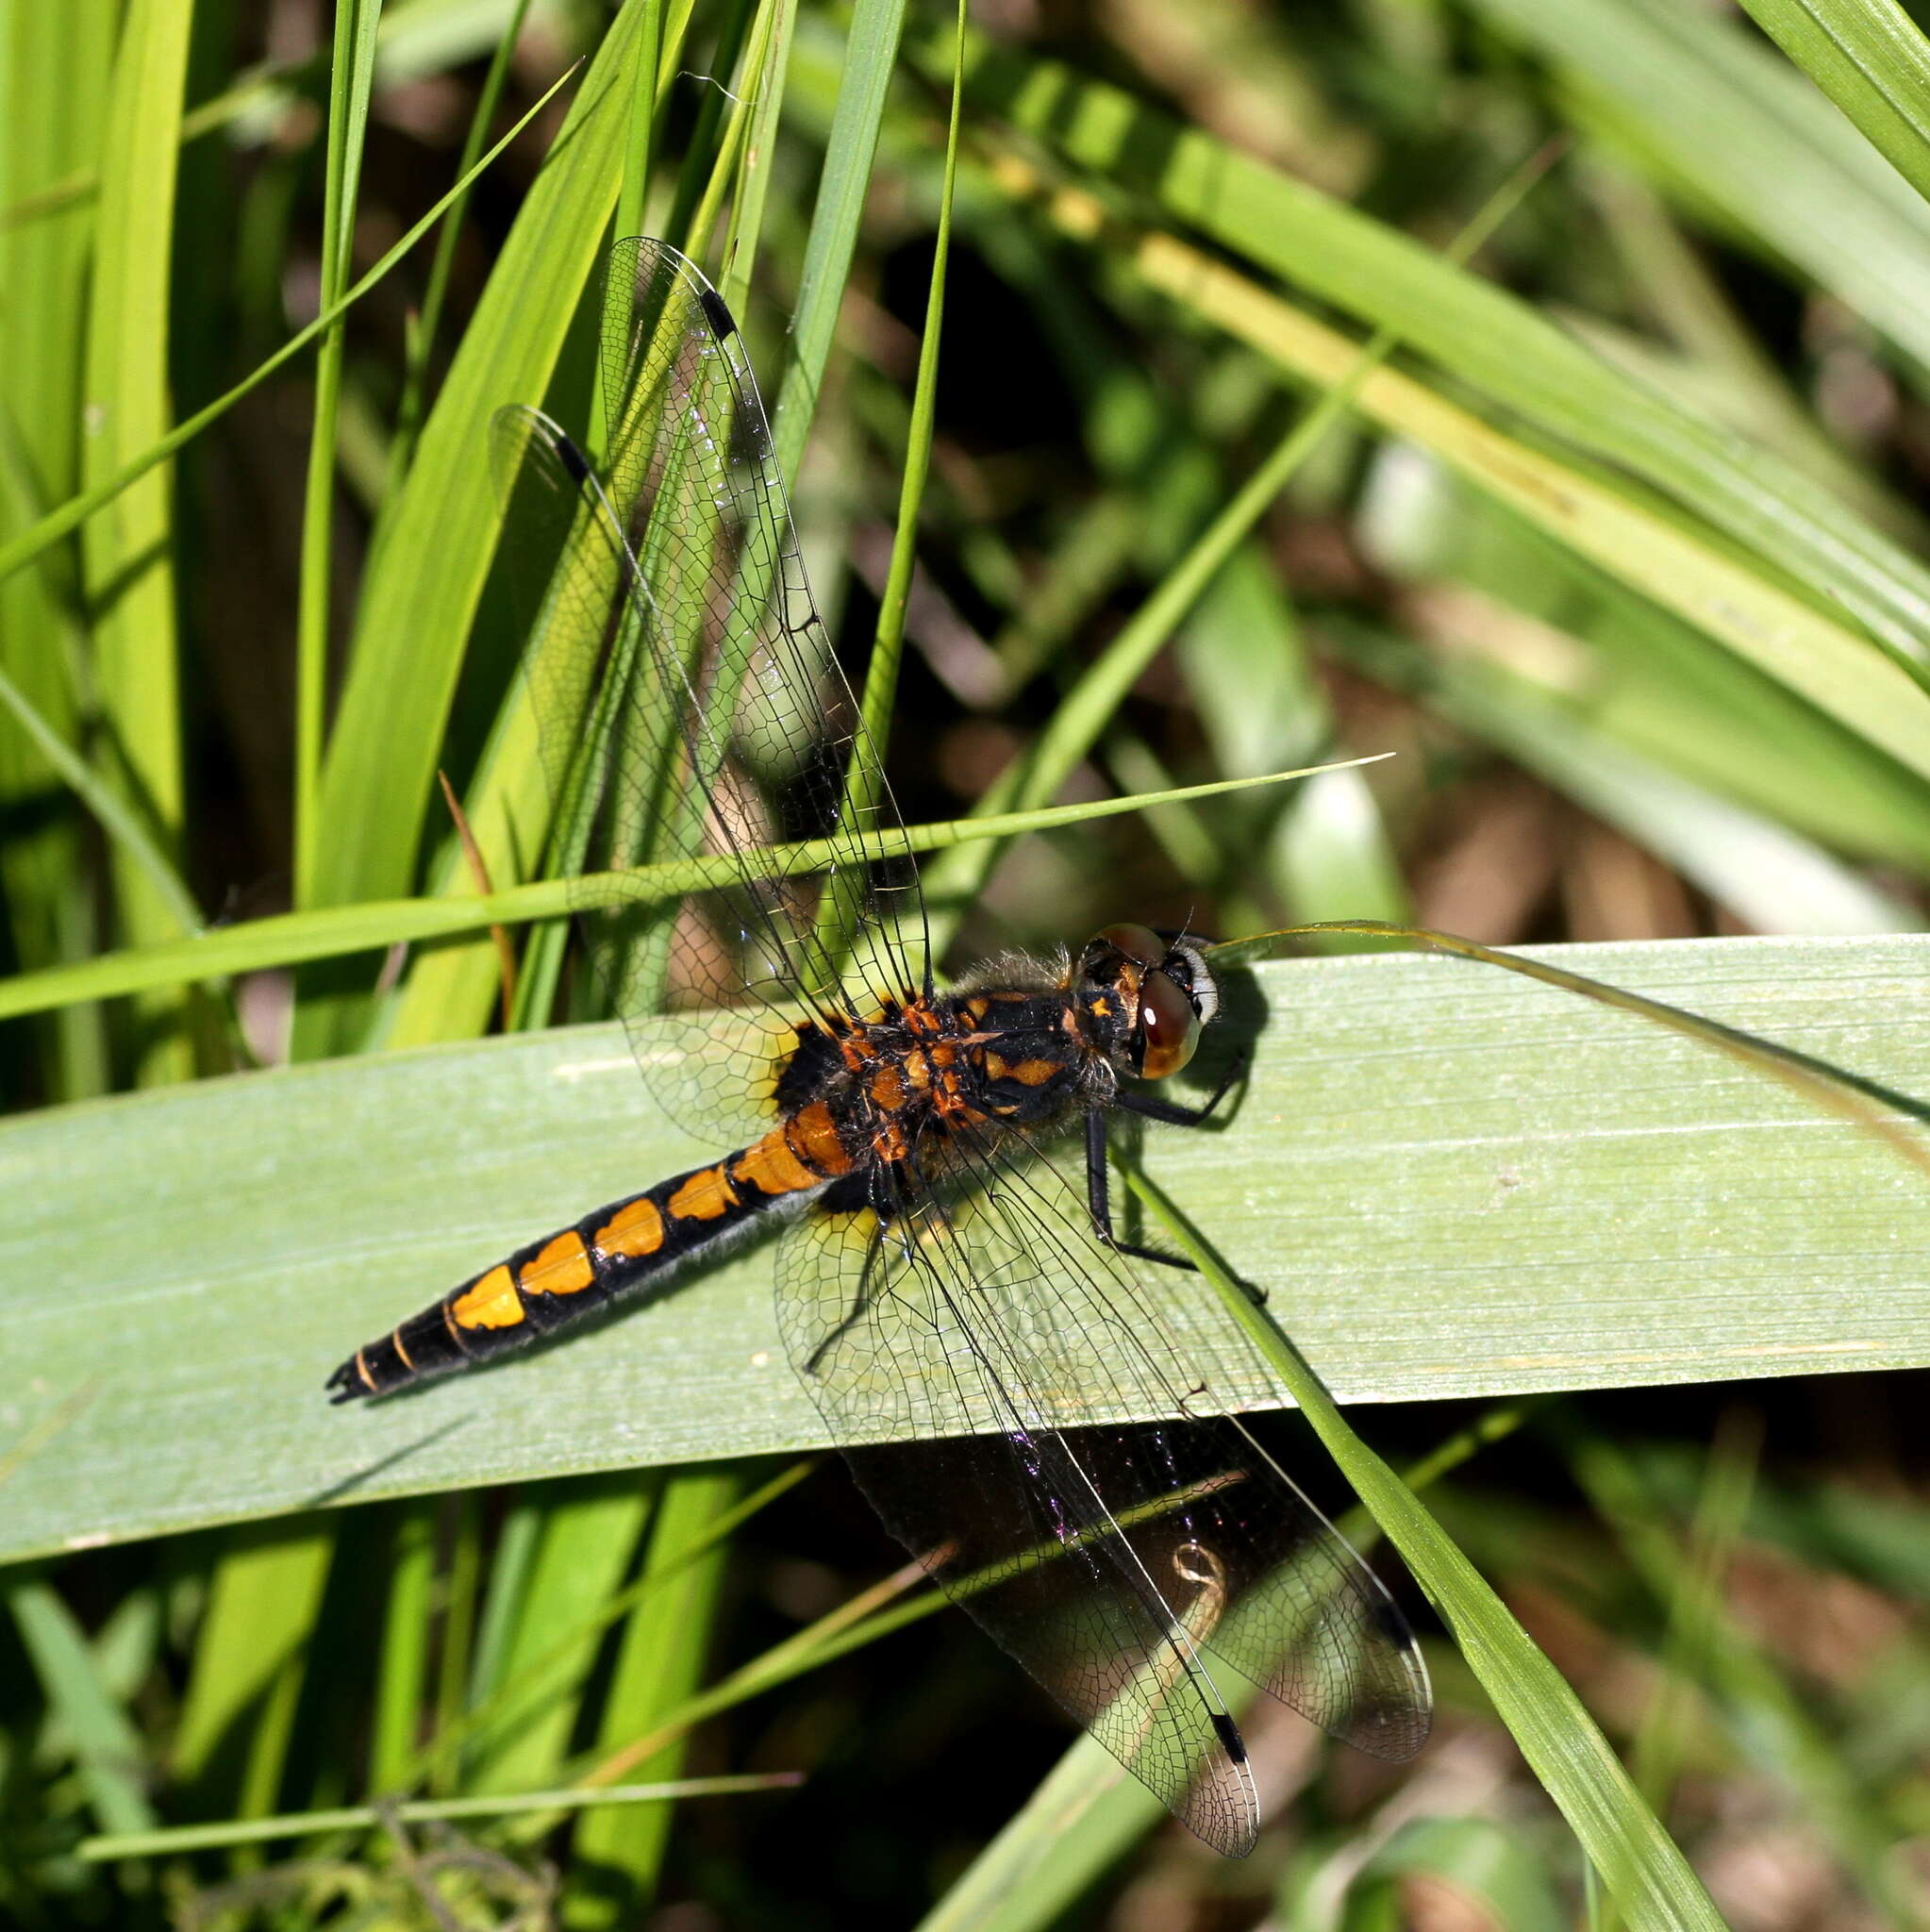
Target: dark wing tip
716, 313
572, 457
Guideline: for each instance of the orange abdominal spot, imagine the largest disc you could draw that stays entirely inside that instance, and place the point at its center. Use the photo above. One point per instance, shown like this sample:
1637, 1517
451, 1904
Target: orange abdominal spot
488, 1302
562, 1268
888, 1087
813, 1136
771, 1168
637, 1229
703, 1197
1035, 1072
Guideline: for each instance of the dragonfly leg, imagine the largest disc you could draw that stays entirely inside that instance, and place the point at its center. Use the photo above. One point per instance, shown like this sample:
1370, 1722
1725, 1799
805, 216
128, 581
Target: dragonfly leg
1174, 1115
859, 1301
1098, 1197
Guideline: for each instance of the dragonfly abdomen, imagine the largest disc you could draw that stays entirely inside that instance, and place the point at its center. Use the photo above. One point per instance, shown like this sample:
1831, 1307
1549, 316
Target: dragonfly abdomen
619, 1247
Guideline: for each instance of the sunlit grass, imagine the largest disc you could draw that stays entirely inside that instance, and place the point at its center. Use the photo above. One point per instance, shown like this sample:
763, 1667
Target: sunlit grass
1620, 550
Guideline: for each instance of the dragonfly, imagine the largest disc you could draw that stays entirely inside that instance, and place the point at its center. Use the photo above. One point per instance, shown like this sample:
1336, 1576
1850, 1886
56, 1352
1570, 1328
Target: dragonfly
1030, 1416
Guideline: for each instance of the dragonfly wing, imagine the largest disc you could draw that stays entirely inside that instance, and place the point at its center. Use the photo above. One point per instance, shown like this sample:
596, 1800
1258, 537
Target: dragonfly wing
689, 707
1134, 1568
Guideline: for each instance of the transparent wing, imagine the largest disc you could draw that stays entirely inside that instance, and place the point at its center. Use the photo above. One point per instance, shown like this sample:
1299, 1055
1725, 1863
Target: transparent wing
1132, 1569
690, 707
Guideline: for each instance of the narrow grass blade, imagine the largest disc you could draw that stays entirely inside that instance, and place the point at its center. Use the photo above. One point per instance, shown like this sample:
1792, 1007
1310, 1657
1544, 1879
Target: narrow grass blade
18, 552
1640, 1864
63, 55
1089, 1811
1765, 1712
1487, 1869
871, 53
585, 1539
128, 550
1772, 878
659, 1663
1708, 107
351, 74
333, 932
1096, 698
238, 1720
109, 1749
840, 913
131, 838
1871, 58
408, 1624
428, 324
1739, 605
422, 588
252, 1831
753, 183
1513, 357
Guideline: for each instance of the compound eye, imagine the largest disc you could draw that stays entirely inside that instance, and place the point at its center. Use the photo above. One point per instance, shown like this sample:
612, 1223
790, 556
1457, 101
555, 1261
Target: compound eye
1169, 1029
1139, 943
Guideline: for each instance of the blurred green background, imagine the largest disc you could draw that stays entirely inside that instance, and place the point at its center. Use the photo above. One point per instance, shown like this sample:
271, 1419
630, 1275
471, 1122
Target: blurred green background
1615, 537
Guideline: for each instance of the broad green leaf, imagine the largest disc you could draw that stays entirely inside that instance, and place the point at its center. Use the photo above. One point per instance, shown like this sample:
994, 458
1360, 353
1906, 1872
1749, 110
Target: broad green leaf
1450, 1181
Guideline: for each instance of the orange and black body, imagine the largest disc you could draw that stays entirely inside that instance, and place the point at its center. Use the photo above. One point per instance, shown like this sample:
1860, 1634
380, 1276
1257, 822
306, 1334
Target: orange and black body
969, 1328
618, 1248
865, 1112
941, 1291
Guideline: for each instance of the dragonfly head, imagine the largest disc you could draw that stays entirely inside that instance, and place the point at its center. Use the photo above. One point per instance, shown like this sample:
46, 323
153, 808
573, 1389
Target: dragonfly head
1143, 998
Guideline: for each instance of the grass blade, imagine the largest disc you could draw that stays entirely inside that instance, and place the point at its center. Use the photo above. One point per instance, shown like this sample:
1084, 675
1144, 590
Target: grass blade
1871, 58
1640, 1865
1452, 1183
351, 74
128, 550
335, 932
870, 52
17, 553
422, 587
1513, 357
